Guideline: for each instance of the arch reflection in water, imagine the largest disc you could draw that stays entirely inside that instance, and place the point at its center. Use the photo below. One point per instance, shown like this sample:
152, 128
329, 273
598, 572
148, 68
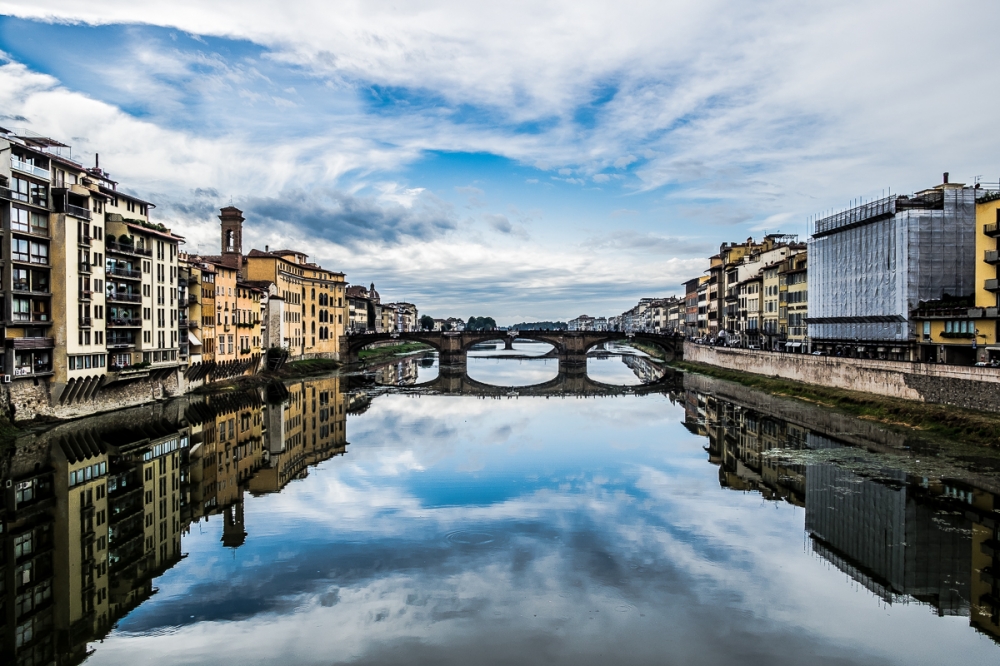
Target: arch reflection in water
512, 371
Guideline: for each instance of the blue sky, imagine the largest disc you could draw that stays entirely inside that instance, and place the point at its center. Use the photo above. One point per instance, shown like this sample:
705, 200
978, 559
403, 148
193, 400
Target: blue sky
525, 161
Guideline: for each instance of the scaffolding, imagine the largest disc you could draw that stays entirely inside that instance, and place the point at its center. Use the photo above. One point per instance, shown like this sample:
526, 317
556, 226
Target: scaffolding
869, 266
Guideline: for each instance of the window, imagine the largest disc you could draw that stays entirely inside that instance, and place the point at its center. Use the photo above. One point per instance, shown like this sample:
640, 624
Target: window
20, 279
39, 253
21, 309
19, 249
22, 545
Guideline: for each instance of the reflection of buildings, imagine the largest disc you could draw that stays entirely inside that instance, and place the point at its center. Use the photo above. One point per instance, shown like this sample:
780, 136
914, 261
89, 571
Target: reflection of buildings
306, 429
646, 370
92, 511
903, 538
90, 516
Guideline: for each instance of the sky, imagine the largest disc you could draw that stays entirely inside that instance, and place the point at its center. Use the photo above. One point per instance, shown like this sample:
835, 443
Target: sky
521, 160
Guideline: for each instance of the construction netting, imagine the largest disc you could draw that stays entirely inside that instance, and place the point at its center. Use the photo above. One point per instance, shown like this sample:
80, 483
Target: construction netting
866, 275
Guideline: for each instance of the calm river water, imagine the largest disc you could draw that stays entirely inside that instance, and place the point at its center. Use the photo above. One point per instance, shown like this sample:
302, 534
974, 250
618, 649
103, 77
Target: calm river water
382, 518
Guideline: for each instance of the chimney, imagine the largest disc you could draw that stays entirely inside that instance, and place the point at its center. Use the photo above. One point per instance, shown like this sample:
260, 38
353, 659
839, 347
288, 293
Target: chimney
945, 177
97, 160
265, 249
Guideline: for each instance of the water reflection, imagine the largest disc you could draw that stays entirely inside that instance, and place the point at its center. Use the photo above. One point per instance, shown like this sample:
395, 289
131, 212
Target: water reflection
242, 527
512, 372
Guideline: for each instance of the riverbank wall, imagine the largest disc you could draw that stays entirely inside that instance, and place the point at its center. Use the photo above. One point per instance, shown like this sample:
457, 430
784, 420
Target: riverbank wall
960, 386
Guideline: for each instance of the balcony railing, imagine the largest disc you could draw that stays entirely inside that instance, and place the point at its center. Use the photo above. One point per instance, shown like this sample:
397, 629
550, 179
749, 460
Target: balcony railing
85, 295
77, 211
29, 168
125, 248
84, 267
122, 271
120, 343
991, 230
192, 299
84, 240
124, 321
991, 257
85, 321
124, 297
992, 285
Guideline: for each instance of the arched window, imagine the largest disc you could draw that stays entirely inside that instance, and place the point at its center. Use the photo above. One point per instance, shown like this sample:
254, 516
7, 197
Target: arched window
314, 310
314, 294
230, 240
314, 328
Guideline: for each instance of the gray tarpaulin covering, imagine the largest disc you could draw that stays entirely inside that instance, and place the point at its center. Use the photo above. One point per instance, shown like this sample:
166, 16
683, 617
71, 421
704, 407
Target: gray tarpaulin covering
869, 266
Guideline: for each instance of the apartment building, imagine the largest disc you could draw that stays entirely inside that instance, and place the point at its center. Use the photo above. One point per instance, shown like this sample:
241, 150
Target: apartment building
406, 317
794, 302
142, 289
91, 289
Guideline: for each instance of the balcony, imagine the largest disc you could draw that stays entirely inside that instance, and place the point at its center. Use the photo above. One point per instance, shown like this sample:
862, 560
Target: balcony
84, 240
120, 343
991, 230
992, 285
29, 168
192, 299
991, 257
125, 272
124, 297
123, 322
85, 295
84, 267
85, 321
125, 248
77, 211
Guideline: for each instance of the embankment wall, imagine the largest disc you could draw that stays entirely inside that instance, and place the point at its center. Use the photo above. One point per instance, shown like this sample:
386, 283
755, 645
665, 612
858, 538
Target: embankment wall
961, 386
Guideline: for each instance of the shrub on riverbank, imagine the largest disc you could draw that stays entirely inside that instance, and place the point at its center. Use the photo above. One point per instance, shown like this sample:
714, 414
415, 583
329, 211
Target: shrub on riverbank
942, 420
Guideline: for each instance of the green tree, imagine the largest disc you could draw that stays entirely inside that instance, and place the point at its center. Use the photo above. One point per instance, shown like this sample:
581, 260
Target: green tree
427, 323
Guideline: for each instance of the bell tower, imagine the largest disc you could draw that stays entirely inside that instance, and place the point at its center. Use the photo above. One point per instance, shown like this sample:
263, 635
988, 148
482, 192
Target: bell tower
232, 237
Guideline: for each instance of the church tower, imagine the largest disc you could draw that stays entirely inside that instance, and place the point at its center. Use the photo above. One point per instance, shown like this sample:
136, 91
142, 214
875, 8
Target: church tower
232, 237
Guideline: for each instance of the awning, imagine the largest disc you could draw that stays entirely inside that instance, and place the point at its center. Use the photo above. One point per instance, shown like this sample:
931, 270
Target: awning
793, 344
193, 340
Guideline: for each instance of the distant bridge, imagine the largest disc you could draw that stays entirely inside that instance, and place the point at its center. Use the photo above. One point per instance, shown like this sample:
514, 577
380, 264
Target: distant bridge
571, 347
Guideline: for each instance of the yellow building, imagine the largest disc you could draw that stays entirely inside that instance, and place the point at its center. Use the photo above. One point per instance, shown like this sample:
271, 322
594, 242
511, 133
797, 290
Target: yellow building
794, 302
304, 430
247, 321
962, 329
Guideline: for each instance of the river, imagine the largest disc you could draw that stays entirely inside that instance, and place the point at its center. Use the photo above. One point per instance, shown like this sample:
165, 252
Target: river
382, 518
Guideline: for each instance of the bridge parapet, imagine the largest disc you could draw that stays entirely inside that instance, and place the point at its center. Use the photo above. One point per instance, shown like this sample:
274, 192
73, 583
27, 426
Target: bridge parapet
453, 347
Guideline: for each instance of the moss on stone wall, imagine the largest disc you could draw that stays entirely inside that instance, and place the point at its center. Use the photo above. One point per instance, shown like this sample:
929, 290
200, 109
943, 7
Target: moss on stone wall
941, 420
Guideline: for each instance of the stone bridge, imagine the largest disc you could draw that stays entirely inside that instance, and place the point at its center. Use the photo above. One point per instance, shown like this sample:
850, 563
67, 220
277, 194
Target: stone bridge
571, 347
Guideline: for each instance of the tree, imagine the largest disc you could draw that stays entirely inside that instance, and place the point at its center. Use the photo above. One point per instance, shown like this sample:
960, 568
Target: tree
481, 324
427, 323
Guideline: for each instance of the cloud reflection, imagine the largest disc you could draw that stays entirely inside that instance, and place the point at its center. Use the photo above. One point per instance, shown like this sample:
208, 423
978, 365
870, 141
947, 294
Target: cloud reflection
513, 532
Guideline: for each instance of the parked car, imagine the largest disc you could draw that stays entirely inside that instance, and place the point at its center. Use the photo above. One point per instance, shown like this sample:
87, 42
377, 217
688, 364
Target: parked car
820, 353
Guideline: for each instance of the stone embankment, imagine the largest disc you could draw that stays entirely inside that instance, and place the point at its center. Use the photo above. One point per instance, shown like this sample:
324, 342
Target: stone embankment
961, 386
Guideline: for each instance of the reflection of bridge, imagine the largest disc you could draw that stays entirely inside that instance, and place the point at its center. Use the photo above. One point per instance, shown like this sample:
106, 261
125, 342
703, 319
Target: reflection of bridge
571, 381
453, 347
